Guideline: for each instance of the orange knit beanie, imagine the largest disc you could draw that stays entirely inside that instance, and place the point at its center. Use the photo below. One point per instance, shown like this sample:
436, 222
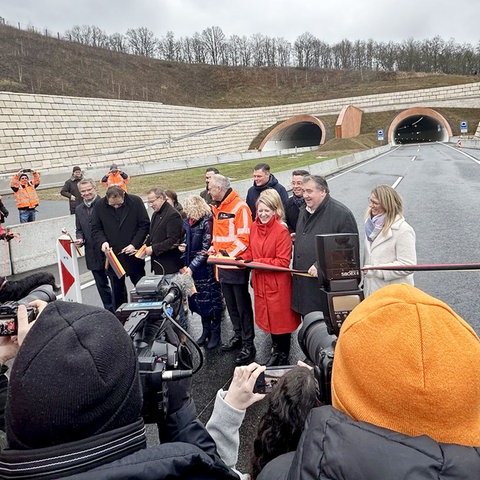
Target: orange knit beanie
407, 362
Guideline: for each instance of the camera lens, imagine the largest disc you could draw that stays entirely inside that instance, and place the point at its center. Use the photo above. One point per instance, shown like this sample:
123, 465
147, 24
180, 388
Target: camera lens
314, 338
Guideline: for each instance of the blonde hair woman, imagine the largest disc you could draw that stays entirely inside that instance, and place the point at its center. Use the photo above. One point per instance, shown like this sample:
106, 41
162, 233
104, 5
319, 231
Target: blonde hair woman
207, 302
389, 240
270, 243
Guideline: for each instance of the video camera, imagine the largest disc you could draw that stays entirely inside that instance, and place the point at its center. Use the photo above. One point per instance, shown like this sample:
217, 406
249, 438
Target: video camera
148, 320
339, 277
8, 310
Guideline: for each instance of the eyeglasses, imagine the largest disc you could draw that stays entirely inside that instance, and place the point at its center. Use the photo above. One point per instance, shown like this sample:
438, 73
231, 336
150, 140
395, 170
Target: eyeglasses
373, 202
151, 202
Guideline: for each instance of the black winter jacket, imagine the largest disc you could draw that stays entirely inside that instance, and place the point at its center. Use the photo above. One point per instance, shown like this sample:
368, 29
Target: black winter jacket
254, 192
190, 454
71, 188
198, 239
335, 447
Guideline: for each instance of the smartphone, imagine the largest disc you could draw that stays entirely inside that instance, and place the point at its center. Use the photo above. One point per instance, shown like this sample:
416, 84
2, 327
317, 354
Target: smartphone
267, 380
224, 253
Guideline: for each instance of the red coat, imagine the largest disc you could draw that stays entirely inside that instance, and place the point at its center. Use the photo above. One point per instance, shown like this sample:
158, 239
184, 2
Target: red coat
271, 243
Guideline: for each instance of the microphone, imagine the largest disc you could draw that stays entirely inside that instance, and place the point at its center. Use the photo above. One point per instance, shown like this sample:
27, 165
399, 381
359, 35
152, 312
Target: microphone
176, 374
181, 286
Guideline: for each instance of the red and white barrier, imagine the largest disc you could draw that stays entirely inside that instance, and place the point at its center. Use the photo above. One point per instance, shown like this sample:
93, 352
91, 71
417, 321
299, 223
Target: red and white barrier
68, 268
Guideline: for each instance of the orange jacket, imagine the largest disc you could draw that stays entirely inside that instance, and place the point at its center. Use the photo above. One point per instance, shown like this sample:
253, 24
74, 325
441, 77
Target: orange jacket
119, 179
25, 191
231, 225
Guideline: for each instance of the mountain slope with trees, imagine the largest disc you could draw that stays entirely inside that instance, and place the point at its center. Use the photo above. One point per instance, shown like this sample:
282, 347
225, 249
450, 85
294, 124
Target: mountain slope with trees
92, 64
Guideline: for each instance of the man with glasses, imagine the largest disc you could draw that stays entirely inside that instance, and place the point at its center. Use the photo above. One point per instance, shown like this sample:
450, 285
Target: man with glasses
120, 222
94, 257
321, 215
166, 234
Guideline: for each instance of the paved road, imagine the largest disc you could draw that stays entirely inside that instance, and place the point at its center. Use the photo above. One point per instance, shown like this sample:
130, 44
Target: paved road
440, 190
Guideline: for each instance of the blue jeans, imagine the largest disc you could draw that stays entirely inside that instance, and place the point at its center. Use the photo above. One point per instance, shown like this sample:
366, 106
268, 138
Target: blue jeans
27, 215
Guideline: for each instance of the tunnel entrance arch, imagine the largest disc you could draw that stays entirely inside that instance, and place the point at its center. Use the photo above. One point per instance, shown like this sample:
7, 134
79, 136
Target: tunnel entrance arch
419, 125
298, 131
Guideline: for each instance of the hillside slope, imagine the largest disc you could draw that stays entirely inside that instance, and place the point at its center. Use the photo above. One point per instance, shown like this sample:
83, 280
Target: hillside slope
33, 63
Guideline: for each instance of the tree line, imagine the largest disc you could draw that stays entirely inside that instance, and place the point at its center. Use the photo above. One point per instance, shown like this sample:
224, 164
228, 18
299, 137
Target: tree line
213, 47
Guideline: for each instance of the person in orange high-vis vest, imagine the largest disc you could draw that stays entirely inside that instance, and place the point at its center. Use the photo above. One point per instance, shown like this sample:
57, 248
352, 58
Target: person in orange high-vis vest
115, 177
24, 190
231, 236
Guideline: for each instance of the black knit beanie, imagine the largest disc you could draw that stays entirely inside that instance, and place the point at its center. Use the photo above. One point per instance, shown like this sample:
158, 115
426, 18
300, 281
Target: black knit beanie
75, 375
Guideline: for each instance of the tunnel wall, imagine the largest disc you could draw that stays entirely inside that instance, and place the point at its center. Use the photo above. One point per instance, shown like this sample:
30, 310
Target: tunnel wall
55, 132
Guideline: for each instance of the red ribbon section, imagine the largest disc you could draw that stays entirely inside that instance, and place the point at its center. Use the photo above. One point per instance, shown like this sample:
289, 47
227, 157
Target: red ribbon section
231, 262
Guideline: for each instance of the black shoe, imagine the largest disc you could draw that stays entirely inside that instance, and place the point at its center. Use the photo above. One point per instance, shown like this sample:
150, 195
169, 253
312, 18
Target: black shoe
282, 359
214, 340
246, 355
203, 339
273, 360
232, 344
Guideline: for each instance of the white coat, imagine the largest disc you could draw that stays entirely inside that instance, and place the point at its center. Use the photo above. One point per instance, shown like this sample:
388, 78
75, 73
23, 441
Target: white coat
397, 247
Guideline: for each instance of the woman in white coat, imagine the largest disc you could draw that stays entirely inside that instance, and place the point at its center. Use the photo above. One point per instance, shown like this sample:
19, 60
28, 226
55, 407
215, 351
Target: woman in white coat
390, 240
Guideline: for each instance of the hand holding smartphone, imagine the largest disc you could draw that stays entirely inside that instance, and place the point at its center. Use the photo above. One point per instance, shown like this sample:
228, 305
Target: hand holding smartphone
267, 380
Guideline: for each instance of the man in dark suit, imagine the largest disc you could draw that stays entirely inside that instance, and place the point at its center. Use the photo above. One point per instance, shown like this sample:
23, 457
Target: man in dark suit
166, 234
120, 221
94, 257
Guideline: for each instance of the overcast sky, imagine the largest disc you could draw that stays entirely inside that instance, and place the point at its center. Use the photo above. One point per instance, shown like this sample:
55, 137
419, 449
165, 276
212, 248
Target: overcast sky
328, 20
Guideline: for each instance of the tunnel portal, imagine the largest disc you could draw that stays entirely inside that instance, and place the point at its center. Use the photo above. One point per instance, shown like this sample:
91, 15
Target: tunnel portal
301, 131
419, 125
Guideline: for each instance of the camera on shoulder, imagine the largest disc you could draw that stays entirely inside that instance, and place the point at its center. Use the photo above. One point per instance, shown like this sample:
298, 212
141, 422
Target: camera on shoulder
149, 319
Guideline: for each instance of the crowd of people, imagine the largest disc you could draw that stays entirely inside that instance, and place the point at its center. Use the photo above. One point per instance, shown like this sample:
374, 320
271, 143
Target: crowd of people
405, 384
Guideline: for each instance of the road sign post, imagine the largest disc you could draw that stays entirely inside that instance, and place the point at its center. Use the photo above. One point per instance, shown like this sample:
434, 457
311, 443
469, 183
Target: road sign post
68, 268
463, 127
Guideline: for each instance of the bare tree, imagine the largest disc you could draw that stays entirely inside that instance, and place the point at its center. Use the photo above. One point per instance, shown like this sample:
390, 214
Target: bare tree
142, 41
118, 43
214, 42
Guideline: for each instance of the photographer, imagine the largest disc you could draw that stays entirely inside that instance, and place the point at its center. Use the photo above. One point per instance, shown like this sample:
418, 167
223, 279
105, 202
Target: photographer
280, 427
74, 393
405, 397
24, 191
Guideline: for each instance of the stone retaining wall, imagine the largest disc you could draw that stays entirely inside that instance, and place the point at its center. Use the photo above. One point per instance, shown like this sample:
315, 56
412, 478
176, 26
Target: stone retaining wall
52, 133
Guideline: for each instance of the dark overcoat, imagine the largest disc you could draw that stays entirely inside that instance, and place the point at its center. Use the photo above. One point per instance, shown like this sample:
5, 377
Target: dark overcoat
94, 257
166, 233
120, 227
331, 216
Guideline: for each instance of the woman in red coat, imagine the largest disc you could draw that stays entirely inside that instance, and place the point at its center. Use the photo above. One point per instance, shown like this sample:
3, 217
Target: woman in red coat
270, 243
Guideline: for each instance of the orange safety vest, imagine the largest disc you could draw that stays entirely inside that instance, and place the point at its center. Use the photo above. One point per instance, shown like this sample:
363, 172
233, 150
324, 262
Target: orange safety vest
115, 179
26, 195
231, 225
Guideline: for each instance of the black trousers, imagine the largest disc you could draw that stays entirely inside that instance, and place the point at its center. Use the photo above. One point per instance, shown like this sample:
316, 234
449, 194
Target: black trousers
239, 306
135, 269
103, 288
